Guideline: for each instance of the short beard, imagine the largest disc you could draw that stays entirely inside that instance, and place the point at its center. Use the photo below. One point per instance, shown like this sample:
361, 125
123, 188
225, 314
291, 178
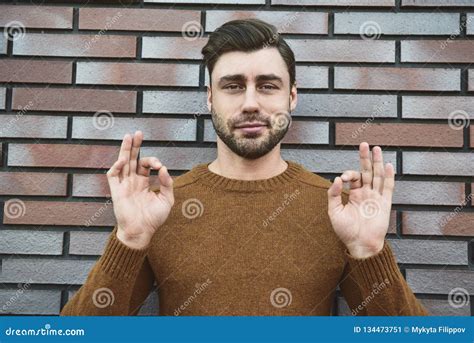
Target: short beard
249, 147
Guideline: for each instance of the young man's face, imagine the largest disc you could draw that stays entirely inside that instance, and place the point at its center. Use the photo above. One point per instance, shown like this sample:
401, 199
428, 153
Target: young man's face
251, 88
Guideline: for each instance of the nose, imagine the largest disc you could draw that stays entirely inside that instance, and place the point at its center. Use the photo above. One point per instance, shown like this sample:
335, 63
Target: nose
250, 104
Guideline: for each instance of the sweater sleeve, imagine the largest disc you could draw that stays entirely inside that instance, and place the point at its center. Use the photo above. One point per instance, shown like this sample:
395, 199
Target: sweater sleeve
118, 283
374, 286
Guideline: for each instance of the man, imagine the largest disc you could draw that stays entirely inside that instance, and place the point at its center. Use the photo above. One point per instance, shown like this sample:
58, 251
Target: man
248, 233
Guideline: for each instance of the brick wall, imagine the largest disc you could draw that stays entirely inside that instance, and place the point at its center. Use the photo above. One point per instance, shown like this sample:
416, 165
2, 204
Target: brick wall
76, 76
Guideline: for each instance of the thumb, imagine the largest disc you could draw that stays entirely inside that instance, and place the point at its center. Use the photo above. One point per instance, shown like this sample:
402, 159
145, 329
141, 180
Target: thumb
166, 184
334, 194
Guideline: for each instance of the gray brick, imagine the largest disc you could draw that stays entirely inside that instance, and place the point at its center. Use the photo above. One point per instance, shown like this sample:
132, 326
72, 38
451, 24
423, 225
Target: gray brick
24, 300
26, 126
174, 102
329, 161
173, 47
87, 243
428, 193
398, 23
2, 98
422, 251
436, 107
346, 105
31, 242
181, 158
440, 281
314, 132
3, 45
437, 3
162, 129
438, 163
212, 2
470, 23
45, 271
344, 3
285, 22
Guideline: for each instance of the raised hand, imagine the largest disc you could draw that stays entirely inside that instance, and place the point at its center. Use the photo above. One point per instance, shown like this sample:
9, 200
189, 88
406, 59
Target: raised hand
138, 210
362, 223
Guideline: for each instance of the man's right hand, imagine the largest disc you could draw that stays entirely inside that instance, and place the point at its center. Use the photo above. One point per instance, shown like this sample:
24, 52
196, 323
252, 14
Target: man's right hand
138, 210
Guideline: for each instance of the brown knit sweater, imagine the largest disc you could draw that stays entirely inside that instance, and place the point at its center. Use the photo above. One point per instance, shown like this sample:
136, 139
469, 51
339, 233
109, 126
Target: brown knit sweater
234, 247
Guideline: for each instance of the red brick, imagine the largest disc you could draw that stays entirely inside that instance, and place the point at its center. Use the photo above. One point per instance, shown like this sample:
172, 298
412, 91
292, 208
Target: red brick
47, 17
173, 47
35, 71
436, 107
68, 99
344, 3
285, 22
29, 126
62, 155
22, 183
436, 51
146, 74
64, 213
97, 186
427, 79
68, 45
154, 129
341, 50
394, 134
438, 223
134, 19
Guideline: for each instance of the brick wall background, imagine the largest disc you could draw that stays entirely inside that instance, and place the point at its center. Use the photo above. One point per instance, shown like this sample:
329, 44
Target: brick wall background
76, 76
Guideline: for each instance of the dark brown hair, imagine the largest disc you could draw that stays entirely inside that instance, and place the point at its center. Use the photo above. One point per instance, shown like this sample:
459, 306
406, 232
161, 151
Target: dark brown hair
246, 35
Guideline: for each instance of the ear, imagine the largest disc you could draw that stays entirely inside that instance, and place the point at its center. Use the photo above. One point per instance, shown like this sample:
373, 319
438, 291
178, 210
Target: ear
293, 97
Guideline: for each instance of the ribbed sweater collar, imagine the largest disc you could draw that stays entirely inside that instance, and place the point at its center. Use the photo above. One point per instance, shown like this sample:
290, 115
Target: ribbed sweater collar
202, 172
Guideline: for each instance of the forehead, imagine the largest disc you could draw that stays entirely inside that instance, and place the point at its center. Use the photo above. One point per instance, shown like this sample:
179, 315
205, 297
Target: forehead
251, 64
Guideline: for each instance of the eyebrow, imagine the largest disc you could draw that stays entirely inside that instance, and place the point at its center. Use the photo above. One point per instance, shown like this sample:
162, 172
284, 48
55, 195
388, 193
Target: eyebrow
241, 77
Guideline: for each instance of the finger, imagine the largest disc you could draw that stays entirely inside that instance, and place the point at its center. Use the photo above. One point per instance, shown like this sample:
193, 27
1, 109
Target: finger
124, 154
379, 173
365, 164
136, 143
334, 195
166, 184
352, 176
389, 182
113, 174
146, 164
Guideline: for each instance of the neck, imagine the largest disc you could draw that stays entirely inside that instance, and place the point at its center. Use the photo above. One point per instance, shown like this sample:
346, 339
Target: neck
230, 165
